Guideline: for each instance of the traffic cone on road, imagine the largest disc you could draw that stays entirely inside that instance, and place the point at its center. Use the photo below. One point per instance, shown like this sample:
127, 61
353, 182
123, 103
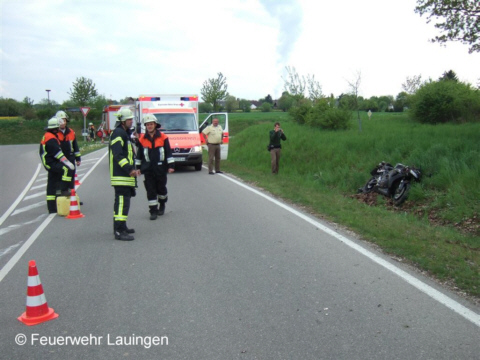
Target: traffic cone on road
77, 182
74, 209
37, 310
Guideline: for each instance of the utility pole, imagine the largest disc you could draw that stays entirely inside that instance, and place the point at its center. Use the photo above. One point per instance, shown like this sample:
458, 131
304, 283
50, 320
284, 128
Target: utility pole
48, 95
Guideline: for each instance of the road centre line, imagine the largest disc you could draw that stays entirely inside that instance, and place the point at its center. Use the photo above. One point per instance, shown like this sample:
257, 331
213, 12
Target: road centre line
20, 197
428, 290
17, 256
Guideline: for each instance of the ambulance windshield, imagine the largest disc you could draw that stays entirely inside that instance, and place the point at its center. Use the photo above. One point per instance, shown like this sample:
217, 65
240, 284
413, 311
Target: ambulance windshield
177, 122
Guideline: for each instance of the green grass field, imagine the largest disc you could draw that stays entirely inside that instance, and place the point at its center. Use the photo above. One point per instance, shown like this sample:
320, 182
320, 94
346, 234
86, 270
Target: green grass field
437, 230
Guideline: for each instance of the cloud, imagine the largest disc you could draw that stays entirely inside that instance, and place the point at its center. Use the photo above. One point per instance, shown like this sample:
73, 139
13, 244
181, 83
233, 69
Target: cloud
289, 15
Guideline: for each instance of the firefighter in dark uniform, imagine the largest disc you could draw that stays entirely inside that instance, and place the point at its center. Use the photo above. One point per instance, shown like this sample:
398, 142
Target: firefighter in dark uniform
60, 169
122, 173
68, 142
155, 161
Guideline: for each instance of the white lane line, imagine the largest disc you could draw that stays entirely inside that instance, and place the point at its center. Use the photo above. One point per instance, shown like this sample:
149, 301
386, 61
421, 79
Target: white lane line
38, 186
16, 226
33, 196
18, 255
430, 291
20, 197
9, 249
29, 207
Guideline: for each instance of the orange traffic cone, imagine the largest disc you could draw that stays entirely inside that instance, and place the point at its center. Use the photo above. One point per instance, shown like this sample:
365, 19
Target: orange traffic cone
77, 182
37, 310
74, 210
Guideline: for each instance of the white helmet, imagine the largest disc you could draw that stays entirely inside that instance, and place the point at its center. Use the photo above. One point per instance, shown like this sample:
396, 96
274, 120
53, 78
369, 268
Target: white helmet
123, 115
61, 115
53, 123
151, 118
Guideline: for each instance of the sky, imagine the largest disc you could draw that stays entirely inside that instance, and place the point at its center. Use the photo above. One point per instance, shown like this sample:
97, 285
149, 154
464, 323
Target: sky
134, 47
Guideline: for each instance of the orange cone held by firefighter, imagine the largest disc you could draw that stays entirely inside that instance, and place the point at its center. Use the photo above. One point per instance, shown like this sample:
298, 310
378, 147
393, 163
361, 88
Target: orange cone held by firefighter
74, 209
37, 310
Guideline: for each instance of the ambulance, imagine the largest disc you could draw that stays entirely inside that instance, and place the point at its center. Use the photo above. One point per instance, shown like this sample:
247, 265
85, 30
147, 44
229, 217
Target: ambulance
178, 116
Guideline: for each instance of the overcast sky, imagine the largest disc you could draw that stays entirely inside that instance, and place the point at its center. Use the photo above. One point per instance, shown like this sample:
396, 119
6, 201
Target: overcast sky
133, 47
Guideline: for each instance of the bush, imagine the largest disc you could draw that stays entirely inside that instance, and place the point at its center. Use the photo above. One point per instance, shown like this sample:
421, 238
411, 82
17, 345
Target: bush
327, 116
446, 101
266, 107
300, 110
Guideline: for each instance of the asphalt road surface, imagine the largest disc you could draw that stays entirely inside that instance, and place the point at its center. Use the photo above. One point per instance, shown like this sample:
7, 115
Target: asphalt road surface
226, 273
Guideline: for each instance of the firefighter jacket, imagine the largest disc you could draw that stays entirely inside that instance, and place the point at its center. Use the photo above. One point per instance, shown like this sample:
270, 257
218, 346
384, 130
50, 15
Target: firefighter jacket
51, 154
68, 142
154, 154
121, 159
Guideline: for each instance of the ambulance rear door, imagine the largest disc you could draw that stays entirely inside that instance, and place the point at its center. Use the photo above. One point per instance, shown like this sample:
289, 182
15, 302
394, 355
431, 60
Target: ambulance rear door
223, 122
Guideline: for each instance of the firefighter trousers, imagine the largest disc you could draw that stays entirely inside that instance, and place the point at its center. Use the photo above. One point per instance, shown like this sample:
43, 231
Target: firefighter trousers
58, 183
156, 187
121, 207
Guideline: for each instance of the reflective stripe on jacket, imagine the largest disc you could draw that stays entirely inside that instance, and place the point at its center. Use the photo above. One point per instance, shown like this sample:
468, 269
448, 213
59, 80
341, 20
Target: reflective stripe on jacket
121, 159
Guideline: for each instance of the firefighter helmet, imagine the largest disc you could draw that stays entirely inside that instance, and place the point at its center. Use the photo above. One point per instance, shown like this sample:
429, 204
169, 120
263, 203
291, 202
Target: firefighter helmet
53, 123
151, 118
123, 115
90, 124
62, 115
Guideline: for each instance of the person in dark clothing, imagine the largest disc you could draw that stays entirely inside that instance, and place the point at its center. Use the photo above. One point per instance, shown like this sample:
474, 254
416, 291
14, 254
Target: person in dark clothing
155, 161
68, 142
60, 169
276, 135
123, 175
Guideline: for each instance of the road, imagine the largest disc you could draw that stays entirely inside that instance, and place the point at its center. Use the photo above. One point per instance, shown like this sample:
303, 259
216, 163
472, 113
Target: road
226, 273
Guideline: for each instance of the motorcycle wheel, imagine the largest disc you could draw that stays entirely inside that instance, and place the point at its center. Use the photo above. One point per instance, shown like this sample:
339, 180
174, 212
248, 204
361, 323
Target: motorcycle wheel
369, 185
400, 194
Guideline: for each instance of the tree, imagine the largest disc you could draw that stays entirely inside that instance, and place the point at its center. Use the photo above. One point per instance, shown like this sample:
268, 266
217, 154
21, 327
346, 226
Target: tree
354, 90
449, 75
446, 101
294, 83
412, 84
285, 102
461, 20
83, 91
314, 88
231, 103
244, 105
215, 90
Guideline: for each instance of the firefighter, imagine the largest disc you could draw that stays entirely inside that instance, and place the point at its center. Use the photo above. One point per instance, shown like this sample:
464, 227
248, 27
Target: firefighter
155, 161
68, 142
91, 132
122, 173
60, 169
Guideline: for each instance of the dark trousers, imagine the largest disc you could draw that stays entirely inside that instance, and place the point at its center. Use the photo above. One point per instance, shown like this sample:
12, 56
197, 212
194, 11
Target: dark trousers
213, 155
121, 207
57, 184
156, 187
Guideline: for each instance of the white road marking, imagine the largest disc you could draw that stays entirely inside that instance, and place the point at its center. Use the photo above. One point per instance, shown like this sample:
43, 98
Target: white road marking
33, 196
18, 255
29, 207
16, 226
20, 197
9, 249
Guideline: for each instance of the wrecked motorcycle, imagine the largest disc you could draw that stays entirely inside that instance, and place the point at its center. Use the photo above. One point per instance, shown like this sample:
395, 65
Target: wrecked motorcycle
392, 182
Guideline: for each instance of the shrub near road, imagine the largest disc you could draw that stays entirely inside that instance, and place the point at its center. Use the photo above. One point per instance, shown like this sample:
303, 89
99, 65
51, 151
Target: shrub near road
438, 227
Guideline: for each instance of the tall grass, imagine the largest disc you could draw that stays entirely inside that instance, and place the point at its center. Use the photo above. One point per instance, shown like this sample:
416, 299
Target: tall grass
323, 169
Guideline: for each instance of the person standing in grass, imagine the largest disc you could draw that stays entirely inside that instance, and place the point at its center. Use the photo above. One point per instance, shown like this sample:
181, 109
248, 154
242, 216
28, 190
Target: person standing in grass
276, 135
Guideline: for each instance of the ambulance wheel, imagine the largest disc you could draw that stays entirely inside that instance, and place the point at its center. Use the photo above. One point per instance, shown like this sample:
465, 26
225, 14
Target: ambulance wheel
198, 166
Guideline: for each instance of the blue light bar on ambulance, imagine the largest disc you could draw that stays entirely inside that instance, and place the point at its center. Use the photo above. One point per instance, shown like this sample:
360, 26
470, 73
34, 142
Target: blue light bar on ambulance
189, 98
149, 98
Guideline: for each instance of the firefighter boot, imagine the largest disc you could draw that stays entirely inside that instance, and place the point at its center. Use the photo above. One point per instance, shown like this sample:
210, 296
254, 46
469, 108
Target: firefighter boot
162, 202
120, 231
153, 212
